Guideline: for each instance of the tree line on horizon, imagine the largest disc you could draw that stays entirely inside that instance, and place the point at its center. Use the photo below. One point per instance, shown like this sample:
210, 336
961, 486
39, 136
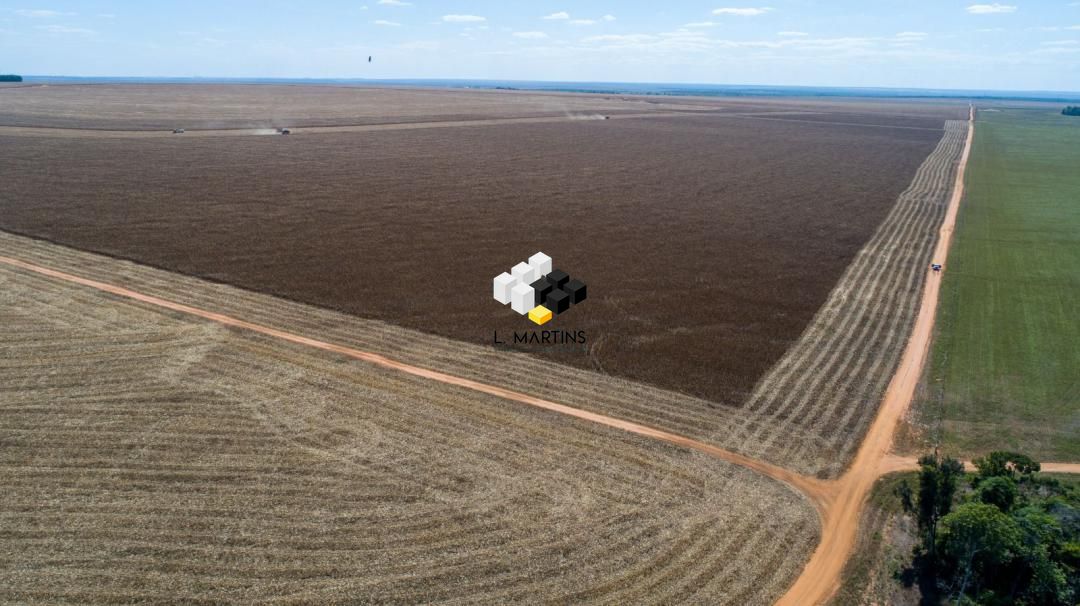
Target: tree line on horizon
1071, 110
10, 78
1004, 535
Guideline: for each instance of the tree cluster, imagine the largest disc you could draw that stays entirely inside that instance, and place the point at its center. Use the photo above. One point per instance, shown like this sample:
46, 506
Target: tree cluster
10, 78
1001, 536
1072, 110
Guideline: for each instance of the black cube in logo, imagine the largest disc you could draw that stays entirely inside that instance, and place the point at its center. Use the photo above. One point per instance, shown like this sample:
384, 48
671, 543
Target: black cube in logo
558, 278
541, 288
576, 290
557, 301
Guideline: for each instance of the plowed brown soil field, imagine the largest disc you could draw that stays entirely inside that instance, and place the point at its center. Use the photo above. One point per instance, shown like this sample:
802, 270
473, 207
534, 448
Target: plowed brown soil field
212, 106
708, 242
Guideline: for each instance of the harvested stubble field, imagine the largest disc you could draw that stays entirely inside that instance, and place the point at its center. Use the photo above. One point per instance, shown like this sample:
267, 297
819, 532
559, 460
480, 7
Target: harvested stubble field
152, 457
708, 242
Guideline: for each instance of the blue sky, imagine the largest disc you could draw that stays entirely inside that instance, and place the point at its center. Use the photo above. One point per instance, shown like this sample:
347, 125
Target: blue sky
1009, 45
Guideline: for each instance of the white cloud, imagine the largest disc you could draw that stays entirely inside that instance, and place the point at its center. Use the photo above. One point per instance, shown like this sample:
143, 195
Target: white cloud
463, 18
708, 48
1075, 28
702, 24
1057, 49
792, 34
386, 23
421, 45
683, 41
830, 44
911, 35
559, 16
64, 29
211, 42
987, 30
1061, 43
41, 14
530, 35
395, 3
990, 9
621, 38
583, 22
742, 12
608, 17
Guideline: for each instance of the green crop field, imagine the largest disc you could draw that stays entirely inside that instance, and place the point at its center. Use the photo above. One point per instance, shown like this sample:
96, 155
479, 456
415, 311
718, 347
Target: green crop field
1005, 365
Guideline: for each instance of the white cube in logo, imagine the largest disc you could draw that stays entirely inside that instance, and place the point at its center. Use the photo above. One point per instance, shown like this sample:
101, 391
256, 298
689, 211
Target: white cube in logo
541, 263
525, 273
522, 298
503, 284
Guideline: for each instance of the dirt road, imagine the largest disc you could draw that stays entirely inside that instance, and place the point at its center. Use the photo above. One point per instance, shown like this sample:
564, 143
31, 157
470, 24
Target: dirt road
821, 577
894, 463
90, 133
41, 131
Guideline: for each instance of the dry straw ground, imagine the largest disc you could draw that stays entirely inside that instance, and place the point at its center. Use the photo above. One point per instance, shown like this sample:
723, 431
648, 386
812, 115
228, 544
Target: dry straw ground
148, 456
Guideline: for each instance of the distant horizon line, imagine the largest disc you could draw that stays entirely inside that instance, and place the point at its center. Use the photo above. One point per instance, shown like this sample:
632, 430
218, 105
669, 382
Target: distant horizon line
561, 85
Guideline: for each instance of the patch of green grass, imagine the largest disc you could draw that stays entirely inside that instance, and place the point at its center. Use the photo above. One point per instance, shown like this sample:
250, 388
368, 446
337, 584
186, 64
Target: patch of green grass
1005, 364
882, 551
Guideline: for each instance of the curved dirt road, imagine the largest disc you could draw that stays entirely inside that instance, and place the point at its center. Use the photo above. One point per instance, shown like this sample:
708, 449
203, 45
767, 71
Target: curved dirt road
816, 490
821, 577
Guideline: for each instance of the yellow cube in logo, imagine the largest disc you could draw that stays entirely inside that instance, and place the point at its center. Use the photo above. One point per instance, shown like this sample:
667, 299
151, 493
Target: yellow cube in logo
540, 314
